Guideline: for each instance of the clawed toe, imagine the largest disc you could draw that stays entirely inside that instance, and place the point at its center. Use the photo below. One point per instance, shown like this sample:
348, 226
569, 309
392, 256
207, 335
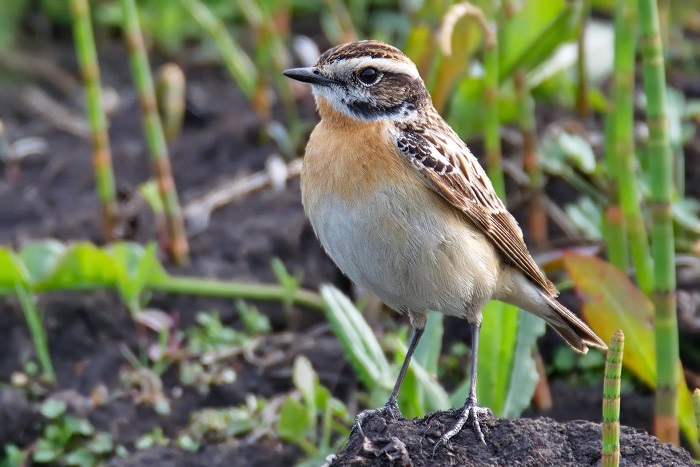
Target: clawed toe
468, 412
390, 410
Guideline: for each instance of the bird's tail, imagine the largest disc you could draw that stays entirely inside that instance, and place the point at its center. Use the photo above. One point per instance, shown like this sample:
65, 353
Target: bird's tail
575, 332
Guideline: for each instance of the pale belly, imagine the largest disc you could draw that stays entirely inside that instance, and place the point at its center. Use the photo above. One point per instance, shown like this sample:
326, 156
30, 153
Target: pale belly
414, 259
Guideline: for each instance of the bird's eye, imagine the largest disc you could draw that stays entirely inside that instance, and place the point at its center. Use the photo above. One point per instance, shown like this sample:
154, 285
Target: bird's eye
369, 75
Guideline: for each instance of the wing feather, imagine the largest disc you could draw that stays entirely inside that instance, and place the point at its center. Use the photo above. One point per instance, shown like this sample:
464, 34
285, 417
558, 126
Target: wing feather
448, 167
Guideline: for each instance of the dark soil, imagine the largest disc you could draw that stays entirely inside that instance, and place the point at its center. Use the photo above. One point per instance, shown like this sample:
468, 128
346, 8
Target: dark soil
53, 196
521, 442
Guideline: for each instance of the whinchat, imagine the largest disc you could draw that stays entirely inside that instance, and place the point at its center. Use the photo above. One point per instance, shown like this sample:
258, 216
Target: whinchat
404, 209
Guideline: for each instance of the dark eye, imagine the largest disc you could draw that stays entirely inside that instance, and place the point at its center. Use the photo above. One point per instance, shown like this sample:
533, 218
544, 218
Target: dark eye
369, 75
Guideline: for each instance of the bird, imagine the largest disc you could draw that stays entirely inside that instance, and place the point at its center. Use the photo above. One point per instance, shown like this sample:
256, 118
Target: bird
405, 210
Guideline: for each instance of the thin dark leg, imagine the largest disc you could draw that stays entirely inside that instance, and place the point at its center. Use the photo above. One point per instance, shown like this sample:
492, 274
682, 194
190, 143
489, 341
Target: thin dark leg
470, 407
392, 405
475, 357
394, 397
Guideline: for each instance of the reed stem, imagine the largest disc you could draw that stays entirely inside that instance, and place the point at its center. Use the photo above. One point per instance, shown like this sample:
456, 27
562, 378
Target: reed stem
102, 154
178, 247
662, 241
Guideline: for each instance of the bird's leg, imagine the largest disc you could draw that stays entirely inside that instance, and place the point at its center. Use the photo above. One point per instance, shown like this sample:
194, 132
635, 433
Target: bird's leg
470, 408
391, 408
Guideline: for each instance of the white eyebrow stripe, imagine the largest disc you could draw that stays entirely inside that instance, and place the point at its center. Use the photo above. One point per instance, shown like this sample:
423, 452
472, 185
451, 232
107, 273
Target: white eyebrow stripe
383, 64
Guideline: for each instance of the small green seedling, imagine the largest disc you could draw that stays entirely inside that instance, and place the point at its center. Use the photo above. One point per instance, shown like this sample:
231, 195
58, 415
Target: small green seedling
300, 412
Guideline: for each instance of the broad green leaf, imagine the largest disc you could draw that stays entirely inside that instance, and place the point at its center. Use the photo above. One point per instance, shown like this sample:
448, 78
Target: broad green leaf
420, 392
612, 302
40, 258
83, 265
427, 353
80, 457
469, 96
357, 339
53, 408
587, 216
531, 36
135, 267
686, 212
306, 381
578, 151
497, 342
523, 374
12, 272
293, 420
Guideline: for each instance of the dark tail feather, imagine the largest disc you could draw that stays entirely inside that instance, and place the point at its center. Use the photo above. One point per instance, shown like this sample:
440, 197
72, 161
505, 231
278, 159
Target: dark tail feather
575, 332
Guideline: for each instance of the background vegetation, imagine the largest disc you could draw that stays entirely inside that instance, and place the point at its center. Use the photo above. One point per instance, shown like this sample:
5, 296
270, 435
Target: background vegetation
575, 90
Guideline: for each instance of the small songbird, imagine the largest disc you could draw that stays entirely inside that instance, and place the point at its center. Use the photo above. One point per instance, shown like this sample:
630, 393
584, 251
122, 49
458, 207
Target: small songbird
405, 210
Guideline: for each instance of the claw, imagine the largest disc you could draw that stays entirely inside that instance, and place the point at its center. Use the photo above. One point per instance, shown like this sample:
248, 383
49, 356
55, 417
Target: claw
391, 409
470, 410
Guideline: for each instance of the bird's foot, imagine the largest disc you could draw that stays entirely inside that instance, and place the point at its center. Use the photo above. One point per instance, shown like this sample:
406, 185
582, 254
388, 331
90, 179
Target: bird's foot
470, 410
390, 410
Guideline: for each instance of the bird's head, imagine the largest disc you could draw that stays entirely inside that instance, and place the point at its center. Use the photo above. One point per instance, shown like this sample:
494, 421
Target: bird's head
366, 80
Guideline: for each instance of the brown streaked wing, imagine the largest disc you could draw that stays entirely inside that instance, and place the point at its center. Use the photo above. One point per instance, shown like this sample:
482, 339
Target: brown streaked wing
449, 168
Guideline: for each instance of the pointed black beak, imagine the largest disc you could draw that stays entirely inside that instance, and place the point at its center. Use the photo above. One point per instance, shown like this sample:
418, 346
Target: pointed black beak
309, 75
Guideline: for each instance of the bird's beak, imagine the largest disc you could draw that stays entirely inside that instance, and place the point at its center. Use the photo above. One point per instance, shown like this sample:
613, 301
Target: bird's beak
309, 75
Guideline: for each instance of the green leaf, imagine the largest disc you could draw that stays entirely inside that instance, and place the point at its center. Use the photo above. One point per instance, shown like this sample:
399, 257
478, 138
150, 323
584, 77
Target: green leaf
305, 380
78, 426
587, 216
82, 265
427, 353
359, 344
40, 258
611, 302
293, 420
531, 36
12, 272
81, 457
46, 452
135, 268
578, 151
469, 96
523, 374
53, 408
102, 443
421, 392
497, 342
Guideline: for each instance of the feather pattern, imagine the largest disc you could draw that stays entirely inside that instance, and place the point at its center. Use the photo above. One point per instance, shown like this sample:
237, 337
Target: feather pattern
448, 167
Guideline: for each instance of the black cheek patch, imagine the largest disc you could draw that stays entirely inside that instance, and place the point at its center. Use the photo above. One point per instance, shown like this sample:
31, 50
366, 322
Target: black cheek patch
367, 111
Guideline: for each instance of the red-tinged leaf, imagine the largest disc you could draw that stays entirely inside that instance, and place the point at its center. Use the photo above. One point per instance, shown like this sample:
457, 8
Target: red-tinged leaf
611, 302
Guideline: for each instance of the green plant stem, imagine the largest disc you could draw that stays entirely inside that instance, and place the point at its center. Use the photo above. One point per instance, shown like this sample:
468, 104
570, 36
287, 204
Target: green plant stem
102, 155
37, 331
224, 289
178, 246
663, 247
696, 408
537, 214
492, 124
614, 227
236, 60
623, 148
270, 27
611, 401
582, 104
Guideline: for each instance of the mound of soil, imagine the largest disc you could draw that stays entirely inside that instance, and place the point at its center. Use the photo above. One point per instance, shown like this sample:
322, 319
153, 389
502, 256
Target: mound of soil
521, 442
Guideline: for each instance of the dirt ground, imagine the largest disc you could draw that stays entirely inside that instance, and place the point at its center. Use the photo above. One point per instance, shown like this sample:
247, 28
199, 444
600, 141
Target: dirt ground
53, 197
